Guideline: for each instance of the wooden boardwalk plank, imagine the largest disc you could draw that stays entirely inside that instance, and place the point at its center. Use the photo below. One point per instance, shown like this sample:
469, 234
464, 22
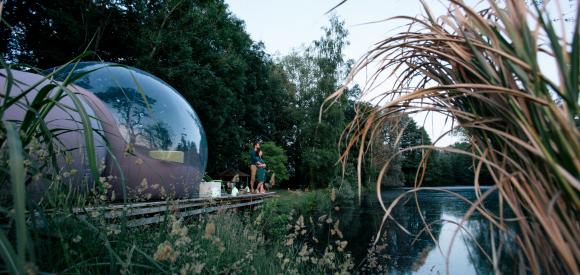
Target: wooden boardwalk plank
145, 213
158, 219
149, 204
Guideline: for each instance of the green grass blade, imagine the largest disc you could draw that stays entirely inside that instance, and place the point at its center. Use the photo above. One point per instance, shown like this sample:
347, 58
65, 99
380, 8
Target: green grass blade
37, 103
8, 255
17, 177
87, 133
9, 79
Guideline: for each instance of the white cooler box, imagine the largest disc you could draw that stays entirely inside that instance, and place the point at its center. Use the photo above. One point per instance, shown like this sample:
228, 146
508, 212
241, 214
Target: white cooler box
212, 189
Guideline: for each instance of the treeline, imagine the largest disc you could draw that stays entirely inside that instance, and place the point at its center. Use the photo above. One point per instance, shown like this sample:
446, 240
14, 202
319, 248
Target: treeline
443, 167
240, 93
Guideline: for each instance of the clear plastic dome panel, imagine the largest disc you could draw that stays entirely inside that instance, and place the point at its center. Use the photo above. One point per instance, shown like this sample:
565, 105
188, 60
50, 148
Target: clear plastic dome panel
151, 115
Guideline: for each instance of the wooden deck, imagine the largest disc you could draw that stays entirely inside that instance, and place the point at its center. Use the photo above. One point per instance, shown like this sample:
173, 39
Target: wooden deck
145, 213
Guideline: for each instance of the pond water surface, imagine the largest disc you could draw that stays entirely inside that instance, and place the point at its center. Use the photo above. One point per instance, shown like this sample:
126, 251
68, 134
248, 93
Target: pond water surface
415, 251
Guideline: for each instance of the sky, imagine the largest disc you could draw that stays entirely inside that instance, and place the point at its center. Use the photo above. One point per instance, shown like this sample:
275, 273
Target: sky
287, 25
284, 25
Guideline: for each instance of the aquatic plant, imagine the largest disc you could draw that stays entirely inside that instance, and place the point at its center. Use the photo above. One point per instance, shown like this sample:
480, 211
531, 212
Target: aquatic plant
484, 70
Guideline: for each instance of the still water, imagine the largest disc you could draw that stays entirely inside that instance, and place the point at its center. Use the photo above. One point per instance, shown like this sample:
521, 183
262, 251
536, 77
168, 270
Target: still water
415, 251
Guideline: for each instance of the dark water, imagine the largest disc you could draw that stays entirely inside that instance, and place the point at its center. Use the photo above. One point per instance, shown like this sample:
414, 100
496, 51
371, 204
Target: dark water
398, 252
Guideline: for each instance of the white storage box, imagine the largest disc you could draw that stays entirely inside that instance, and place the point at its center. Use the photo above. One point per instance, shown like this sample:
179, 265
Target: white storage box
210, 189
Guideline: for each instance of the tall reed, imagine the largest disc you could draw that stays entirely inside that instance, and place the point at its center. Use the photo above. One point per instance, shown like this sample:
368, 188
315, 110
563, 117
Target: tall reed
482, 70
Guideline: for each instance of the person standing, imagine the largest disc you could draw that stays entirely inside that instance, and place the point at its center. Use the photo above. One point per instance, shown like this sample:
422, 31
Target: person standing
261, 174
254, 160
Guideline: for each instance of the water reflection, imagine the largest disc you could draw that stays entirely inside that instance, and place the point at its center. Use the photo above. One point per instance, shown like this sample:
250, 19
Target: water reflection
415, 251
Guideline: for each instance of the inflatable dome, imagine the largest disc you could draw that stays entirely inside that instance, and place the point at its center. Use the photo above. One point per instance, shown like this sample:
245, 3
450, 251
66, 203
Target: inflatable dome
158, 145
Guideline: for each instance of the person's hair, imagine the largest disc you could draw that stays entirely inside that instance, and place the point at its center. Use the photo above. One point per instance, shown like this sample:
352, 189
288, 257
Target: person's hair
258, 151
255, 143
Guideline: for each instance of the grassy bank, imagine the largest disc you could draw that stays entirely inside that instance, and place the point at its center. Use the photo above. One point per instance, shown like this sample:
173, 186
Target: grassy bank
276, 237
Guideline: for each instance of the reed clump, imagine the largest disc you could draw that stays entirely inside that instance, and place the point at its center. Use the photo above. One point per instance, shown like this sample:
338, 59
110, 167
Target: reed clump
485, 70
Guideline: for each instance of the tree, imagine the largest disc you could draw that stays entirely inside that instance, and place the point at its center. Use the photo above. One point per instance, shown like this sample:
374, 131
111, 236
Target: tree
45, 34
384, 148
276, 160
412, 136
316, 73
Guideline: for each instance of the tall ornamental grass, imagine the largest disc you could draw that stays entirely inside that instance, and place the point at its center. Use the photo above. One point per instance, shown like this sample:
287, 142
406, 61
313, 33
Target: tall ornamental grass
31, 151
20, 144
482, 69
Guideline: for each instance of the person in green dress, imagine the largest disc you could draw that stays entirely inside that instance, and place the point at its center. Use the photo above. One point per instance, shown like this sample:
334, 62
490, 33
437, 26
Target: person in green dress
253, 165
261, 173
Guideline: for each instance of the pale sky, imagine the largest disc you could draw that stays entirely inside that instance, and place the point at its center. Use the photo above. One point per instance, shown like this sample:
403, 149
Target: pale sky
283, 25
287, 25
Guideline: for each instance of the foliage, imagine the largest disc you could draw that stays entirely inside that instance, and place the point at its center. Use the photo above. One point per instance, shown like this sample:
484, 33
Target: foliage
271, 238
402, 132
412, 136
236, 89
443, 168
276, 160
448, 169
482, 70
315, 73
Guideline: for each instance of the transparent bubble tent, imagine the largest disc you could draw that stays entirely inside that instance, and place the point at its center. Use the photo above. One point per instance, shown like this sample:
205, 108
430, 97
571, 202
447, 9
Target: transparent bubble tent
164, 150
157, 147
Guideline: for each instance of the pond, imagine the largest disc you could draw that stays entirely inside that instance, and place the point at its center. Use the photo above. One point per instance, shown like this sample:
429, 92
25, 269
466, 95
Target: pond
415, 251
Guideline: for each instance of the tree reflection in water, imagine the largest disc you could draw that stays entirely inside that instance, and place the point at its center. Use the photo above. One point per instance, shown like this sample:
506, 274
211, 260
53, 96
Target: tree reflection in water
490, 237
398, 252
